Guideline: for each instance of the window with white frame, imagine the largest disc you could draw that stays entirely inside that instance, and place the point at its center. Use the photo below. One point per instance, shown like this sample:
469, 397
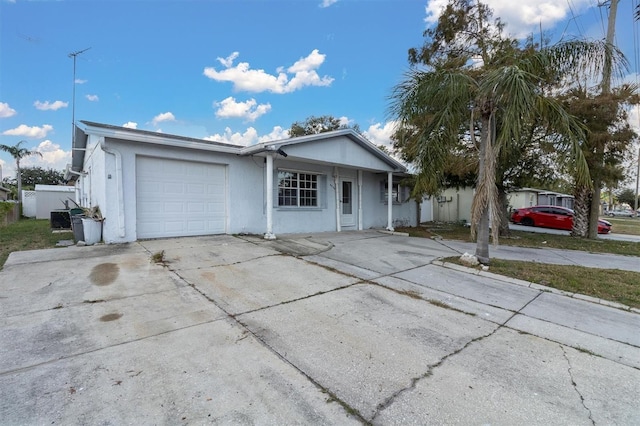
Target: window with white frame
399, 193
297, 189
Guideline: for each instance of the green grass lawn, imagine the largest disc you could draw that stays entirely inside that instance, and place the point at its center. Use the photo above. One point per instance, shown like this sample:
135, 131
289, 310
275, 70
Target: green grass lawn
625, 225
28, 234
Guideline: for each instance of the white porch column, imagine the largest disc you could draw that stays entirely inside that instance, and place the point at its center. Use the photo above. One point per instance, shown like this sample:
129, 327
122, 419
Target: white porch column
390, 201
360, 226
336, 184
269, 235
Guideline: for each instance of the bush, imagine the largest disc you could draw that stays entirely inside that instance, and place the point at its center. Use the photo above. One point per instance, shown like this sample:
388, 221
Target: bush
9, 212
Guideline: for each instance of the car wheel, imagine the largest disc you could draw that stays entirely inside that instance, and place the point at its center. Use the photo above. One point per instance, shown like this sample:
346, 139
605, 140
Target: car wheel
526, 221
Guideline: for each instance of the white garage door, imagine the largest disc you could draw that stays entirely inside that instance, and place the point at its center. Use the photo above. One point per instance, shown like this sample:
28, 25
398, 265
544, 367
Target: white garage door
179, 198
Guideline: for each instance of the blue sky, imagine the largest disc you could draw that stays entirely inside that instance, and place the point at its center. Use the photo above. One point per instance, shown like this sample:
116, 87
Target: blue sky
238, 71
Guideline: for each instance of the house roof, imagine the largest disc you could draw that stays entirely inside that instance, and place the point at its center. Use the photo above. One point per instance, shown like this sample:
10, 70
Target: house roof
351, 134
145, 136
3, 189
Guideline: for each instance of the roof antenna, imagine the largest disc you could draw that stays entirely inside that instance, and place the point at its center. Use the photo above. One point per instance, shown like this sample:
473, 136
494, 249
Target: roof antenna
73, 101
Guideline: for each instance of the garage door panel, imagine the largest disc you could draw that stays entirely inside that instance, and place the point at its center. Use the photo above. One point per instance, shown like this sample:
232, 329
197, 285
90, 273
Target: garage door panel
173, 207
196, 188
196, 208
179, 198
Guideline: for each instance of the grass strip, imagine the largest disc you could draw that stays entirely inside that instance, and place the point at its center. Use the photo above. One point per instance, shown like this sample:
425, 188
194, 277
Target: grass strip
28, 234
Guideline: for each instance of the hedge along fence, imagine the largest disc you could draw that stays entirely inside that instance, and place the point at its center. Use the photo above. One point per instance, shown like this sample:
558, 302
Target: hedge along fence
9, 213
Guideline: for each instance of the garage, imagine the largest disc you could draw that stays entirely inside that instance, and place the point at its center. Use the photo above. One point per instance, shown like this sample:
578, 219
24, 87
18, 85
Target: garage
179, 198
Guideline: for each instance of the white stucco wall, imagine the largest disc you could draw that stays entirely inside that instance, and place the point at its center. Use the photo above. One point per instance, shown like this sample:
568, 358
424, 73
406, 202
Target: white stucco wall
521, 199
244, 198
375, 206
340, 150
453, 205
91, 189
426, 210
112, 182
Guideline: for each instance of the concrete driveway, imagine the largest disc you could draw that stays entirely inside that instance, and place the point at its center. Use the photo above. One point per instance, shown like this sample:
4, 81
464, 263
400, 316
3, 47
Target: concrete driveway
344, 328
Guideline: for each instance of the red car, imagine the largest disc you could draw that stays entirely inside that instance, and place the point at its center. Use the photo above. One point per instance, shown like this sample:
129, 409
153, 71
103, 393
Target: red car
555, 217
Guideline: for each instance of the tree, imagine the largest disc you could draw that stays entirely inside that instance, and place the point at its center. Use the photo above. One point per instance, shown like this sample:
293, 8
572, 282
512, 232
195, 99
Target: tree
314, 125
32, 176
18, 154
627, 196
475, 84
605, 146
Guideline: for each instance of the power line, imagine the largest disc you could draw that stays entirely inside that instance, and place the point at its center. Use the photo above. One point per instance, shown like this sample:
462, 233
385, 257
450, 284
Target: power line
575, 18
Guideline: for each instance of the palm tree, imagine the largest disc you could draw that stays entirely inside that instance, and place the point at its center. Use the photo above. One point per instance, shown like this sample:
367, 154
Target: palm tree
478, 80
18, 153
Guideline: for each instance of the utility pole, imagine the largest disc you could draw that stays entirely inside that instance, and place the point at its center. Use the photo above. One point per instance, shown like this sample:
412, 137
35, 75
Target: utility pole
611, 30
635, 207
605, 87
73, 100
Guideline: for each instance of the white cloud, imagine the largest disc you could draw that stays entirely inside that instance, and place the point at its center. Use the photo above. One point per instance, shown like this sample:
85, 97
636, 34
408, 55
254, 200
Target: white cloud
53, 157
345, 121
92, 98
380, 134
248, 110
79, 81
276, 133
522, 17
50, 106
29, 132
228, 61
6, 111
249, 137
633, 118
165, 116
327, 3
257, 80
130, 125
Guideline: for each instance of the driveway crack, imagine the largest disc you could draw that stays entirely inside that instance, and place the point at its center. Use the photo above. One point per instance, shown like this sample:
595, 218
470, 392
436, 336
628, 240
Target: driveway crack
391, 399
575, 385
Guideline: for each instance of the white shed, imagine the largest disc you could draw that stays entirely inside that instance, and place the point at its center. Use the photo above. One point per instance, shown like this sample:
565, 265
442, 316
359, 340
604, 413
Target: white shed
52, 197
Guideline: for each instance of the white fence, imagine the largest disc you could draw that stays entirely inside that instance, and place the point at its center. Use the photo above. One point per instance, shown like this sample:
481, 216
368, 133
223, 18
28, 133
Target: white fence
29, 203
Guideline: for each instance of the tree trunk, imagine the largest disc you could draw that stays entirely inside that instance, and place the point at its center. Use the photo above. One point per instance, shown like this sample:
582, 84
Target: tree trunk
505, 217
581, 209
482, 225
19, 179
594, 213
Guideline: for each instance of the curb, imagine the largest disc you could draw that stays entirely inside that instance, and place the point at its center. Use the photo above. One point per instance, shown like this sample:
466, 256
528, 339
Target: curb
535, 286
402, 234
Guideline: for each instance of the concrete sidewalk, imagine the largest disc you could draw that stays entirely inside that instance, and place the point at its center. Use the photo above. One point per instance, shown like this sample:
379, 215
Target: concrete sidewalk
344, 328
552, 256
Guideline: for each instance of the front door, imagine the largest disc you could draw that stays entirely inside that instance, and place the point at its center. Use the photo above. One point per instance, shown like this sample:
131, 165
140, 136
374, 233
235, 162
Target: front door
347, 208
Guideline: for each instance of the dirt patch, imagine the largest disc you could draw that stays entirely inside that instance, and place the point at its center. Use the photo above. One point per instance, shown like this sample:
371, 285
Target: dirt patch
104, 273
